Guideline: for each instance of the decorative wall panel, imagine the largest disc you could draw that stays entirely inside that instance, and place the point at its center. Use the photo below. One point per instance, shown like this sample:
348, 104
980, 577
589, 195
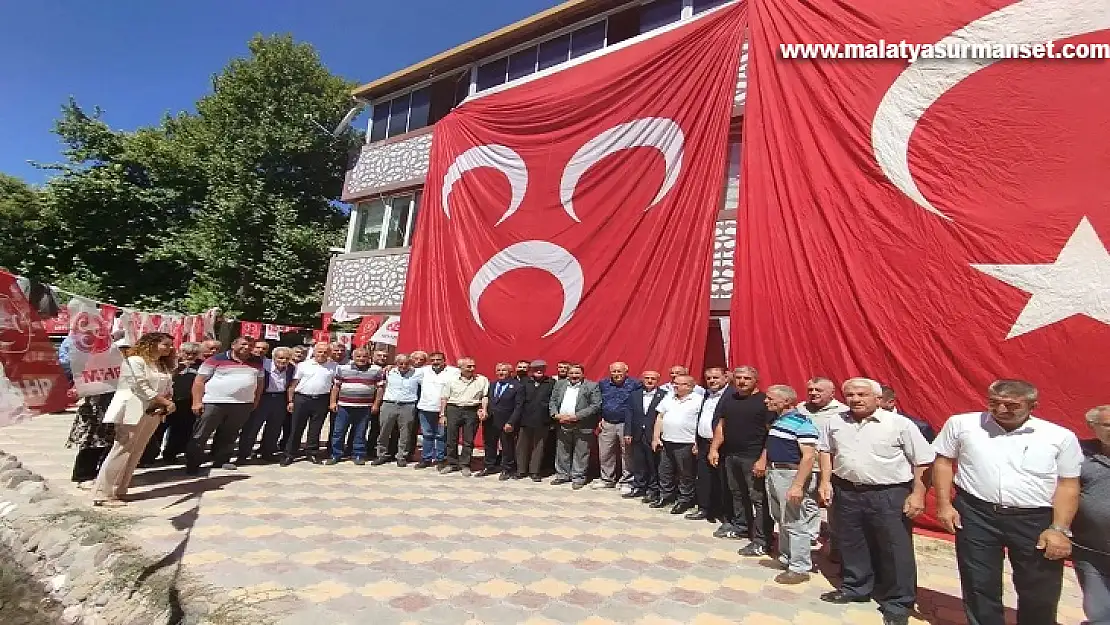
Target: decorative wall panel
724, 251
742, 78
367, 281
384, 164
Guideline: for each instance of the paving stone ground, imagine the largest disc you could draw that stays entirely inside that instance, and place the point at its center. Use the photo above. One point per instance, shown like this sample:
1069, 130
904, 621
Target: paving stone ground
348, 544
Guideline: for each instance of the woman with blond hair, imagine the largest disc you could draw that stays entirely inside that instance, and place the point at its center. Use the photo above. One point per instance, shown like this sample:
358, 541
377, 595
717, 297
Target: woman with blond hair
140, 404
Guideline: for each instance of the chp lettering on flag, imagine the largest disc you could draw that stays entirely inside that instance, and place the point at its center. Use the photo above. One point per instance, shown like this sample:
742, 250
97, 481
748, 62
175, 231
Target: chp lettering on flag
31, 380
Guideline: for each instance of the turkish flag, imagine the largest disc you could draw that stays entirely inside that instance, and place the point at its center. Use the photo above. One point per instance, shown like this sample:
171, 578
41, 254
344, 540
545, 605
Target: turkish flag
934, 225
572, 216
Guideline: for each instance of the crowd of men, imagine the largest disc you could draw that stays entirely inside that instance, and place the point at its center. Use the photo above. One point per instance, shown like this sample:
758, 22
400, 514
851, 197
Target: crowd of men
733, 452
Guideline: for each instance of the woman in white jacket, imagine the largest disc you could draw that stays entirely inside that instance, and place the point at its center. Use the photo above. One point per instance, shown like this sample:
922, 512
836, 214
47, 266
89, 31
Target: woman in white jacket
141, 402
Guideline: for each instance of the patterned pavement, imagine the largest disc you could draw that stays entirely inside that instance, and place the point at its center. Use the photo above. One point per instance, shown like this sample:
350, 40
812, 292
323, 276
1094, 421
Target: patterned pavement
347, 544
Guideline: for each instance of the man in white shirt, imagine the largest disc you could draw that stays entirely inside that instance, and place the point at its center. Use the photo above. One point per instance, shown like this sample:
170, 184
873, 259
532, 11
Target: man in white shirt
709, 486
576, 405
1016, 489
433, 377
308, 401
821, 404
675, 372
676, 430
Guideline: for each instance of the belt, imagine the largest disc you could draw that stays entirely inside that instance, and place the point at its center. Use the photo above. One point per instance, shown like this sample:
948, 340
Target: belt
465, 407
274, 394
399, 403
846, 485
998, 508
320, 396
790, 466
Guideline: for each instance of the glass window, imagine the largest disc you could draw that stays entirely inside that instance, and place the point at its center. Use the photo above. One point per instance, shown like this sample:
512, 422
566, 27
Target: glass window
412, 219
462, 88
705, 5
554, 51
588, 38
492, 74
399, 115
380, 121
418, 108
659, 13
522, 63
398, 228
368, 227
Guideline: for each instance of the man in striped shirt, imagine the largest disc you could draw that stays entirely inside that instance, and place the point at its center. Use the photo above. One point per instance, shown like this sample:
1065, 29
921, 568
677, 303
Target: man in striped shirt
791, 484
354, 398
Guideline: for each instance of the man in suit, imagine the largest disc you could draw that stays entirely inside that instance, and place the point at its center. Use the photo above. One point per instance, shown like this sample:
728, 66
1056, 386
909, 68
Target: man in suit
576, 405
638, 431
506, 399
533, 422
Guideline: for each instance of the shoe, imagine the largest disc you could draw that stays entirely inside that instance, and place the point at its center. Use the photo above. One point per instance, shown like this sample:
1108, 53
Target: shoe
536, 478
505, 475
578, 485
602, 485
227, 466
753, 550
560, 480
890, 619
422, 465
838, 597
445, 469
487, 472
313, 459
401, 462
359, 461
661, 503
332, 462
379, 462
697, 515
519, 476
791, 578
650, 497
286, 461
681, 507
466, 472
636, 493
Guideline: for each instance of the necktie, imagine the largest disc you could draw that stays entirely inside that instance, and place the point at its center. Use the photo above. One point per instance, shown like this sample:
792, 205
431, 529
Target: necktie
500, 387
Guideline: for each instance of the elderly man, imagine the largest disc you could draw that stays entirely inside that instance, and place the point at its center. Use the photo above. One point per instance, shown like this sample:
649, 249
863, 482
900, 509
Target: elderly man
210, 348
742, 421
616, 409
1017, 490
272, 410
639, 433
418, 358
676, 428
820, 404
463, 403
677, 371
873, 465
889, 402
261, 349
506, 400
433, 378
534, 422
1092, 542
710, 482
308, 401
402, 387
791, 483
575, 404
300, 354
355, 396
227, 387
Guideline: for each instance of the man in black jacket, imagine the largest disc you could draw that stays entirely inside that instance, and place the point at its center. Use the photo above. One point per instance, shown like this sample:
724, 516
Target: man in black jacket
533, 422
506, 399
638, 431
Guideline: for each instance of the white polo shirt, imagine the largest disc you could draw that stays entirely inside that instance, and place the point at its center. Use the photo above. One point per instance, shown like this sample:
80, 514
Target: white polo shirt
570, 398
431, 386
1017, 468
680, 417
705, 419
313, 378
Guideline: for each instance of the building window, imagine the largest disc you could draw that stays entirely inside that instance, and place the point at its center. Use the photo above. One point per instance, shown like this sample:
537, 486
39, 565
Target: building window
385, 223
402, 114
547, 54
492, 74
659, 13
554, 51
587, 39
522, 63
705, 5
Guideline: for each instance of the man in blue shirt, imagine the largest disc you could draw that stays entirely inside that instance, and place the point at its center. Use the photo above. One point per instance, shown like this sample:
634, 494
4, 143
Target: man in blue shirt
615, 410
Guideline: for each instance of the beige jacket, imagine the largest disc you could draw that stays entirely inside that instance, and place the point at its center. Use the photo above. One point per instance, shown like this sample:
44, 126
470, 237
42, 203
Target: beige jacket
138, 385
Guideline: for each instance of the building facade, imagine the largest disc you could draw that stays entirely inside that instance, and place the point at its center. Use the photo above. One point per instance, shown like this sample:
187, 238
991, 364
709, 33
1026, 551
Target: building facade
386, 180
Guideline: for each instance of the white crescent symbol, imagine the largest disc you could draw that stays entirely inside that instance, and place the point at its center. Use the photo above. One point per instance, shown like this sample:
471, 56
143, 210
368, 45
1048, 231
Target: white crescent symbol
656, 132
926, 80
542, 255
499, 157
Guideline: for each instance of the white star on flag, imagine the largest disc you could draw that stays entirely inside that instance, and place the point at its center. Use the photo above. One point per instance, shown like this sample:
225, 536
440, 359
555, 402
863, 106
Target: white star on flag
1078, 283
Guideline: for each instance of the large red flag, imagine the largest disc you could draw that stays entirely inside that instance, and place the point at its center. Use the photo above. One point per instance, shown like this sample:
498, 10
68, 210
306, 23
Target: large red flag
934, 225
572, 217
31, 380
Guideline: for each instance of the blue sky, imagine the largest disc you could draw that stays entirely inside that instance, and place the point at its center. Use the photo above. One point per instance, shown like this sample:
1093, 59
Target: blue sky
139, 59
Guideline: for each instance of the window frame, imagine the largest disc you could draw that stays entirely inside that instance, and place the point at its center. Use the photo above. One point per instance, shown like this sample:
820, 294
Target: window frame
360, 217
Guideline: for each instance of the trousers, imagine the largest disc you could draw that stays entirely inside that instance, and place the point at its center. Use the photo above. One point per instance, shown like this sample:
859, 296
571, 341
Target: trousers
401, 417
1093, 571
529, 450
464, 419
222, 423
645, 466
749, 499
677, 472
795, 521
979, 551
710, 486
353, 419
572, 453
499, 444
876, 545
611, 448
267, 419
434, 448
118, 467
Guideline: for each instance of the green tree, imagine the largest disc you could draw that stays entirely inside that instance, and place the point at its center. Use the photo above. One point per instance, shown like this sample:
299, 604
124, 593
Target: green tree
23, 248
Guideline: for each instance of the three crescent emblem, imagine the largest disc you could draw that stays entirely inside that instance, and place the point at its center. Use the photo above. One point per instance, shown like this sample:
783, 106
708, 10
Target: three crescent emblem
663, 134
925, 81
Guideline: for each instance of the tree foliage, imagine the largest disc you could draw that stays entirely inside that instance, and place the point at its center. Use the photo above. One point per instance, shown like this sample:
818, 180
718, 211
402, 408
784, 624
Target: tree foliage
229, 206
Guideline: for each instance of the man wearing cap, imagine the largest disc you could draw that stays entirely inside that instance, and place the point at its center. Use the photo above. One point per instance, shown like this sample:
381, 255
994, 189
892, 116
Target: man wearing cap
533, 422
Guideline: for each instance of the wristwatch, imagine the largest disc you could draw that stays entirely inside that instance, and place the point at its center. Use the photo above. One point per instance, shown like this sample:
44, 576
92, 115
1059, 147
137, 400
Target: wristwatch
1060, 528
